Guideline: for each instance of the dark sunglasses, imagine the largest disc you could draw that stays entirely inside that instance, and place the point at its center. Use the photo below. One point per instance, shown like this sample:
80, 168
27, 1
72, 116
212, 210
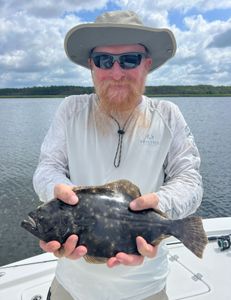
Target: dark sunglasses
129, 60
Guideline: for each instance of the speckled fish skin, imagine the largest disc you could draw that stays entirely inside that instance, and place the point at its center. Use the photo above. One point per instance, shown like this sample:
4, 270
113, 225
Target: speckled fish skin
105, 224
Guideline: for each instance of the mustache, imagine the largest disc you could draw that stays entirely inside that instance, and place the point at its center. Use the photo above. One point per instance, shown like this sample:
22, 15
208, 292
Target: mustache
122, 82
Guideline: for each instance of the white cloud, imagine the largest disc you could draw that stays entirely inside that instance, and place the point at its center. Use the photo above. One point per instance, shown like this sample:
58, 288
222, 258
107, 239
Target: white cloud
48, 8
33, 45
183, 5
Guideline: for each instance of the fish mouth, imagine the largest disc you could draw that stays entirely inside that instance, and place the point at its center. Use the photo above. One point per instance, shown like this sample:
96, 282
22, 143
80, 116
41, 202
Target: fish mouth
29, 224
31, 221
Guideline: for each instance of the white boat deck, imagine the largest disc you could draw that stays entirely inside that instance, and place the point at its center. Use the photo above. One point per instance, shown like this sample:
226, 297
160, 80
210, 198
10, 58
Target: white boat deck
189, 278
27, 278
202, 279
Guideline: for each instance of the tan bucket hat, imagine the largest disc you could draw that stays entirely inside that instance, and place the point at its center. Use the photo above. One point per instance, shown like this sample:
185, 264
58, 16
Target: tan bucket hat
119, 28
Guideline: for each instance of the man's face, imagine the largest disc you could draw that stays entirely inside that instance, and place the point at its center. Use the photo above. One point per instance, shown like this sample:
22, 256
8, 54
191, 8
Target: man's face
120, 89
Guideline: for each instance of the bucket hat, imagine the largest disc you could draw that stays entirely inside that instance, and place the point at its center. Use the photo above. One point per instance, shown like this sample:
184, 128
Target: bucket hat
119, 28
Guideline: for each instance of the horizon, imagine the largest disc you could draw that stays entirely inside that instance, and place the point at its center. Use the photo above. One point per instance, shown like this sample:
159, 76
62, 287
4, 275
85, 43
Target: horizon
89, 86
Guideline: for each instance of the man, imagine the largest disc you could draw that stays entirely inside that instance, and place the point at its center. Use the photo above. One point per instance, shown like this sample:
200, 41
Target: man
113, 134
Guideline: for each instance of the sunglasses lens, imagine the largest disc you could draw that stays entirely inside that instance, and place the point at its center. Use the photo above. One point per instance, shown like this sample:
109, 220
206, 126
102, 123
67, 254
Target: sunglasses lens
126, 61
103, 61
130, 61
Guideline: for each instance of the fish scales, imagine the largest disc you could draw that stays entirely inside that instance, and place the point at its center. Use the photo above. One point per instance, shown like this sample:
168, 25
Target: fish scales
106, 225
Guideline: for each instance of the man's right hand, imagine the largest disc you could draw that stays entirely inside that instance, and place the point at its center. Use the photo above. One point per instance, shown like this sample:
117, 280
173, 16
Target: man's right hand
68, 249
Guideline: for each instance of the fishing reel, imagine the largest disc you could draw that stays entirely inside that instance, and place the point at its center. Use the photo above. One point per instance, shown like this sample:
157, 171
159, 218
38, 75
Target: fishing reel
224, 242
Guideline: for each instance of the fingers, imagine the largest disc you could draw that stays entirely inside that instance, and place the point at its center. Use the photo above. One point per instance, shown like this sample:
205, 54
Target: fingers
68, 249
125, 259
50, 246
112, 262
144, 248
129, 259
146, 201
65, 193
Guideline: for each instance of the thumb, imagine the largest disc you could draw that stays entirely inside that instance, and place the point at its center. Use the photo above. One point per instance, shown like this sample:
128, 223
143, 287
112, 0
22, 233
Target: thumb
66, 194
144, 202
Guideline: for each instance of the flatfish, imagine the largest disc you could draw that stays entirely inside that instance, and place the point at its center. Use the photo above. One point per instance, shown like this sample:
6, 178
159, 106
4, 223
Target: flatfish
106, 225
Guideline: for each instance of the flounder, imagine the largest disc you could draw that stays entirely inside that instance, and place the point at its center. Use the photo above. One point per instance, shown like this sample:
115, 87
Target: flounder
106, 225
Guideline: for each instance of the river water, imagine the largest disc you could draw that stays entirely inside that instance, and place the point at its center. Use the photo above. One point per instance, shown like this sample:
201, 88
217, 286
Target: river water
23, 125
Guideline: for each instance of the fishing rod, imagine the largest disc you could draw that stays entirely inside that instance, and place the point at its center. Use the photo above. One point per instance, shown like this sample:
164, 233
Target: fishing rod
223, 241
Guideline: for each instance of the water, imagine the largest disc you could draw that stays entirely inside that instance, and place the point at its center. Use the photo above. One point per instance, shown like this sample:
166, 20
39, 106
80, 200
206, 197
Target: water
23, 125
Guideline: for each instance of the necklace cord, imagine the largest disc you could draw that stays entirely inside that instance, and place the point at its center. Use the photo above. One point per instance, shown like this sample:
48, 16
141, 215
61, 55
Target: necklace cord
121, 132
117, 158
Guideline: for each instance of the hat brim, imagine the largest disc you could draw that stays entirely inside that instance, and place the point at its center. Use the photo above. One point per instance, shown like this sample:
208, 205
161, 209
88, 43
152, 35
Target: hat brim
81, 39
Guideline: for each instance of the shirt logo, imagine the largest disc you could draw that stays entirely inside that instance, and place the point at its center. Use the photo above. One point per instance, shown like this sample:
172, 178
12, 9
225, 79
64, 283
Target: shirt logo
149, 140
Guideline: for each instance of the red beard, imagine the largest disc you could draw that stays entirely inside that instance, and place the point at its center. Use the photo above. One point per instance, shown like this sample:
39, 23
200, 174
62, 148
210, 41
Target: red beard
118, 96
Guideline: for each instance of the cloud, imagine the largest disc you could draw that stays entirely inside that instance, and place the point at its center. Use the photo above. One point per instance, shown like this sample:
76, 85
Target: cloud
194, 62
48, 8
167, 5
33, 46
221, 40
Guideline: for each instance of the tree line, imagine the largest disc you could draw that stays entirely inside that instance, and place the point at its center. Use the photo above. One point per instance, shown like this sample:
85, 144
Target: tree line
166, 90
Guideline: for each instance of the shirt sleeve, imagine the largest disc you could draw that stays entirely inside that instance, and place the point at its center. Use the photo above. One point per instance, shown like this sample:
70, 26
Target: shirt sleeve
182, 191
52, 168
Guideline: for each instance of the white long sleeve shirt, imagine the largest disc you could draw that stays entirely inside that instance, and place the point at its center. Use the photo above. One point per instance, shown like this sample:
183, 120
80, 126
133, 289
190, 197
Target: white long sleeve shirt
158, 155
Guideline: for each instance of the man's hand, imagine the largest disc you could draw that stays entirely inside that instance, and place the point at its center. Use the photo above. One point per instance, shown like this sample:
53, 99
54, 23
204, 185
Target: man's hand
68, 249
65, 193
146, 201
145, 249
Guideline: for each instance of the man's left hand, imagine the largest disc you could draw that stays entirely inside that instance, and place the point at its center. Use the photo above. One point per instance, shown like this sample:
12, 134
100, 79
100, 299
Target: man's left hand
145, 249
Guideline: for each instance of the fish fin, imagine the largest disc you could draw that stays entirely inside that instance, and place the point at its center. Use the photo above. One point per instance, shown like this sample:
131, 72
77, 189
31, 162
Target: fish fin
125, 186
158, 211
95, 260
80, 188
191, 233
159, 239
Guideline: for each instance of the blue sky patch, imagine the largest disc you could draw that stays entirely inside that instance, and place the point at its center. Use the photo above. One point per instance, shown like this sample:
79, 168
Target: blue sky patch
176, 17
217, 14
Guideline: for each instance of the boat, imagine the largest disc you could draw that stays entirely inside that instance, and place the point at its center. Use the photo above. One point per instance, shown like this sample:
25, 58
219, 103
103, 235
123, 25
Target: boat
189, 277
207, 278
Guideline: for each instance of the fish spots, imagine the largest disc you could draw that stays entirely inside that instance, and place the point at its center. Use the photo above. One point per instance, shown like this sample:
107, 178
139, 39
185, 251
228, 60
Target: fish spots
112, 245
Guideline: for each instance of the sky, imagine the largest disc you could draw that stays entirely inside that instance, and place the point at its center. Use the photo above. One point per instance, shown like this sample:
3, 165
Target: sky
32, 34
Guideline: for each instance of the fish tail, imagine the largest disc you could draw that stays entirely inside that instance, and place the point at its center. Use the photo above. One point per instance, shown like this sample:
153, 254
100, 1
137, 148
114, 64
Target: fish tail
191, 233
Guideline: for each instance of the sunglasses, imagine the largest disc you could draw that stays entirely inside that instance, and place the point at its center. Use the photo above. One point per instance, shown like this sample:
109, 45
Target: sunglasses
129, 60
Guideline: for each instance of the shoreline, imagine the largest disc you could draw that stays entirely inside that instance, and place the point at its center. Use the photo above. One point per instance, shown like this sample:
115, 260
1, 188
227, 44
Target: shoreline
62, 91
148, 95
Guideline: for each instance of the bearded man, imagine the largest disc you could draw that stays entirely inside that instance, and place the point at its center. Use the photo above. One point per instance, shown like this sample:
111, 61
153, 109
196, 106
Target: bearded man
116, 133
